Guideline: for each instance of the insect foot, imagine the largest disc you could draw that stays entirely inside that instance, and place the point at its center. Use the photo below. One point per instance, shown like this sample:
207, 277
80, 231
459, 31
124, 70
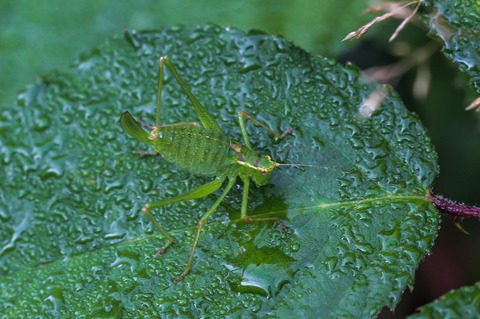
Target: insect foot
146, 210
275, 219
290, 130
282, 225
161, 251
142, 153
180, 278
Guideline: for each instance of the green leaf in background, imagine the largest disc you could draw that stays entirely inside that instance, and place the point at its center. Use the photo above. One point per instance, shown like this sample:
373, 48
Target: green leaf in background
73, 242
456, 24
460, 303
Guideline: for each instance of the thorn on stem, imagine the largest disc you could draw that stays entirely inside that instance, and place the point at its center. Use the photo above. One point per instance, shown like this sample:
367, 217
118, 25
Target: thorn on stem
461, 228
455, 210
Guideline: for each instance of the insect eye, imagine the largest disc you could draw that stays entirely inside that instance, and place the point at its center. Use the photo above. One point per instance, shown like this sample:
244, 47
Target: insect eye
264, 171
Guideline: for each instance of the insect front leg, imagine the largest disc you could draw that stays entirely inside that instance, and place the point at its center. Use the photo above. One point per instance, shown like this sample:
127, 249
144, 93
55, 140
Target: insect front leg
241, 117
246, 185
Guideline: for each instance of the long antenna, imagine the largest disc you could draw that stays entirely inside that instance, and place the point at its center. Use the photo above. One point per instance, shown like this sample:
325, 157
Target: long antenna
342, 171
316, 166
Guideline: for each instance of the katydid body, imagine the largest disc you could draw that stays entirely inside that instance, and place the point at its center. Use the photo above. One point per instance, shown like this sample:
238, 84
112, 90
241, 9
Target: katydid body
203, 150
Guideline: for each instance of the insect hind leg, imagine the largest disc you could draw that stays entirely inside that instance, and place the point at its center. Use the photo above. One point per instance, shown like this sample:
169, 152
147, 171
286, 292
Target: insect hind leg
198, 192
206, 118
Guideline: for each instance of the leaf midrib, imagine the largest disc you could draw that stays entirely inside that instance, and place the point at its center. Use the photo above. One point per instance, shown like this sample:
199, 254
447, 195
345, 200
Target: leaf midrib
321, 206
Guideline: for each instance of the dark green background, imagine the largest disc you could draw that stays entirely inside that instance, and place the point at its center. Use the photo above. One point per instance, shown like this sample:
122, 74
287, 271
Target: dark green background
36, 37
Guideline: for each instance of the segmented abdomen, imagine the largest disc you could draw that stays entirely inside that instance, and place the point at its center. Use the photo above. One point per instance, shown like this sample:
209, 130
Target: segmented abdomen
195, 149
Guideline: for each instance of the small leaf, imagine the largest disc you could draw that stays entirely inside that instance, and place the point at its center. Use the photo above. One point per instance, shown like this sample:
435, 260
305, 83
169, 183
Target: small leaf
460, 303
75, 244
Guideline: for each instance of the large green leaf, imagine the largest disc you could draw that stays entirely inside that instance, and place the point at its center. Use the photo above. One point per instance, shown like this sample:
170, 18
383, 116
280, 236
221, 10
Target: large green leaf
456, 24
74, 242
460, 303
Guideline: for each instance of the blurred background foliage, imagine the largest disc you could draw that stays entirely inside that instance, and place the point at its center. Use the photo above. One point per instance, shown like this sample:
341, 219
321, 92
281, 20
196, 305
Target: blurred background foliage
39, 36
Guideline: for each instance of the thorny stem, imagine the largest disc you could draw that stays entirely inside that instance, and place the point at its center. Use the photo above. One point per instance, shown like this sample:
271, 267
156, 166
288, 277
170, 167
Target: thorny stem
455, 210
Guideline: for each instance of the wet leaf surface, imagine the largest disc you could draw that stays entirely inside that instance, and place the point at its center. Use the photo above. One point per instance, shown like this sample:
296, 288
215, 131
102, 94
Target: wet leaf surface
74, 243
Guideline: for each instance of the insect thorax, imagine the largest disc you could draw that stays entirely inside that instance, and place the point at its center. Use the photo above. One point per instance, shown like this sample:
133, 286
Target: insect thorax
251, 161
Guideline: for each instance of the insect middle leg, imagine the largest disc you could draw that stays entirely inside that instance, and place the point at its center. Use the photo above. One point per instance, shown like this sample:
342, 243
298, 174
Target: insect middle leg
246, 181
231, 181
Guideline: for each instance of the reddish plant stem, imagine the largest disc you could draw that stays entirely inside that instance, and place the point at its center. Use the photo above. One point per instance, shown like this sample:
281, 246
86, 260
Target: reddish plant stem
456, 211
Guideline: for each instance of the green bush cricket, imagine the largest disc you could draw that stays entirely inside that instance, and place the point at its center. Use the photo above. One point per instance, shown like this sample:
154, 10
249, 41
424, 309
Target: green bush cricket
203, 150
